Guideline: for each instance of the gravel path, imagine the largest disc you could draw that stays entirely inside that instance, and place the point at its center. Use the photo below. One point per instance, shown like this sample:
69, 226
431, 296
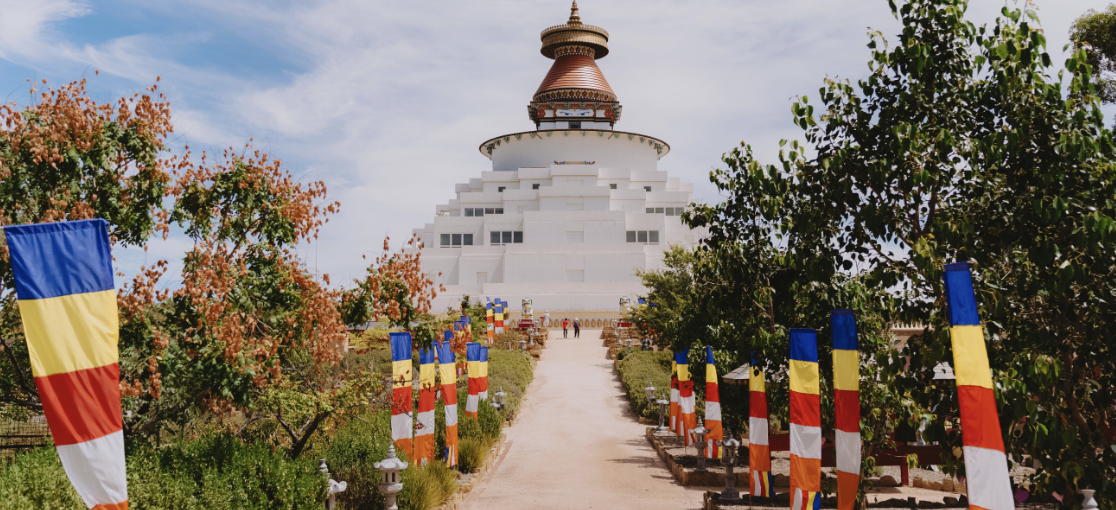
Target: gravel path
576, 443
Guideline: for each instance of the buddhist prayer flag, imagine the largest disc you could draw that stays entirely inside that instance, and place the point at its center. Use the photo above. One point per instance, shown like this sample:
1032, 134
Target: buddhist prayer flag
846, 403
491, 321
759, 450
805, 421
402, 398
67, 300
687, 402
424, 430
472, 357
448, 373
483, 389
499, 319
712, 407
674, 397
985, 462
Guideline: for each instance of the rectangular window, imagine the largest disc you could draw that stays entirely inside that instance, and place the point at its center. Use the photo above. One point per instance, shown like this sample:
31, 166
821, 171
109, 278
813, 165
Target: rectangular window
658, 210
647, 189
478, 211
499, 210
504, 238
445, 240
612, 186
467, 239
469, 212
489, 210
534, 186
650, 210
457, 239
501, 189
575, 125
643, 236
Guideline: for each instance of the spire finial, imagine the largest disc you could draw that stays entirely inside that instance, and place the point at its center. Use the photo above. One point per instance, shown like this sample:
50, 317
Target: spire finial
575, 19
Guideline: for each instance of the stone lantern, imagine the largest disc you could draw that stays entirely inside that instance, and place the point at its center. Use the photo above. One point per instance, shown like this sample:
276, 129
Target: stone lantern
498, 399
699, 433
650, 389
1088, 503
629, 342
335, 487
728, 458
391, 483
663, 403
522, 346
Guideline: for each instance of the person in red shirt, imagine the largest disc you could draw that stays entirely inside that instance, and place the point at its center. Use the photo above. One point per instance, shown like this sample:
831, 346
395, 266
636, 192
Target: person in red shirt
565, 328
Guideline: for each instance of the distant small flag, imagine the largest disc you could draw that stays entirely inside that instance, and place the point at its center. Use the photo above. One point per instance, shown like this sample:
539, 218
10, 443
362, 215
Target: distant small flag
712, 407
981, 438
491, 321
805, 420
67, 300
759, 450
402, 396
499, 313
446, 367
483, 390
674, 397
687, 402
472, 356
846, 403
424, 430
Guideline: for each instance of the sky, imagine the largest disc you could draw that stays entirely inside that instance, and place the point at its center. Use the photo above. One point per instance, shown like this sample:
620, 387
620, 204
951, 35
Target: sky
387, 102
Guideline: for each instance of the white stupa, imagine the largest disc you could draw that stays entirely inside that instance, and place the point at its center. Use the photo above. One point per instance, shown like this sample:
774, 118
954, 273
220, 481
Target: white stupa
570, 209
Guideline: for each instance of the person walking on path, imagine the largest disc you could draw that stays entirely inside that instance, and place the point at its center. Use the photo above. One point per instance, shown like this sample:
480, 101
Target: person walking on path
565, 327
546, 322
577, 328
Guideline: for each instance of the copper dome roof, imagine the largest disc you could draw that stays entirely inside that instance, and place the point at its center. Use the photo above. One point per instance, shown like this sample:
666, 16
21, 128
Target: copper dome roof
575, 72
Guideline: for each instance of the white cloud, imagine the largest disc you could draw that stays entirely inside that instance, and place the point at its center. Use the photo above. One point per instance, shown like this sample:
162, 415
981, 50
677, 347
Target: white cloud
24, 25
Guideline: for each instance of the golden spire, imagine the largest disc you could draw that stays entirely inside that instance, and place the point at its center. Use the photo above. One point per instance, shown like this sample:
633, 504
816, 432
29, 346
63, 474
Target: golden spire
575, 33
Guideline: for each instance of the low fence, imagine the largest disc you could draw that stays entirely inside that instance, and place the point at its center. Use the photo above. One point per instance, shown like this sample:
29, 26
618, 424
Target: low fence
22, 435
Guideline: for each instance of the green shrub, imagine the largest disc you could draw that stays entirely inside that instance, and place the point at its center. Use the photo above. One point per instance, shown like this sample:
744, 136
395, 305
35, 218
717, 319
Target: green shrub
427, 487
635, 372
511, 371
352, 451
470, 454
490, 420
35, 479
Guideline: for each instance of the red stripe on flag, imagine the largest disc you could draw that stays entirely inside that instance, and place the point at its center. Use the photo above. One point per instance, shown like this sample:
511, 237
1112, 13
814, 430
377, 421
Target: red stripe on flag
847, 408
449, 394
980, 424
805, 409
758, 404
402, 400
82, 405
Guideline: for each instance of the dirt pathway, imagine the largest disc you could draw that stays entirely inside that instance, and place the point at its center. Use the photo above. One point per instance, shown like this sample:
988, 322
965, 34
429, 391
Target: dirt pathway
576, 443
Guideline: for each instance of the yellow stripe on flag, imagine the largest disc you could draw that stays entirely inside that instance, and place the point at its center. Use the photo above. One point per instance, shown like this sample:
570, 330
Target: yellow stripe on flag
683, 372
401, 373
804, 377
426, 375
474, 368
846, 370
755, 382
71, 333
448, 372
970, 356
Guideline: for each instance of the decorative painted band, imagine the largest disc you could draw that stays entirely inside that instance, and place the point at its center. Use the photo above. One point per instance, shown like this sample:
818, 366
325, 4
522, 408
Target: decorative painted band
491, 144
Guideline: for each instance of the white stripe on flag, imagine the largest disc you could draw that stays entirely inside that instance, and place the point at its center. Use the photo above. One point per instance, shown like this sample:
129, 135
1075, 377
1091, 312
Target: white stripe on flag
96, 469
483, 395
687, 404
806, 441
988, 479
757, 430
471, 403
401, 426
451, 415
797, 498
712, 411
847, 448
757, 485
426, 423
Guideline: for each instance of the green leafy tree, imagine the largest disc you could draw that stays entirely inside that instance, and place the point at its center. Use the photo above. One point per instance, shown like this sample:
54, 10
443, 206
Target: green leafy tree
1095, 32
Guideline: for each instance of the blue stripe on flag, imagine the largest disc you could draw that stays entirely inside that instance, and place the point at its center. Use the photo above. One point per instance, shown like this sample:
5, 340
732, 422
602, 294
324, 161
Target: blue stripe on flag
804, 344
426, 356
445, 352
472, 351
844, 329
682, 356
400, 345
709, 355
483, 353
60, 259
960, 299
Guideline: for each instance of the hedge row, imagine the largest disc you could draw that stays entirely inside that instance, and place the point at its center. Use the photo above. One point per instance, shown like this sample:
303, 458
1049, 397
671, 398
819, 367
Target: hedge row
639, 369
